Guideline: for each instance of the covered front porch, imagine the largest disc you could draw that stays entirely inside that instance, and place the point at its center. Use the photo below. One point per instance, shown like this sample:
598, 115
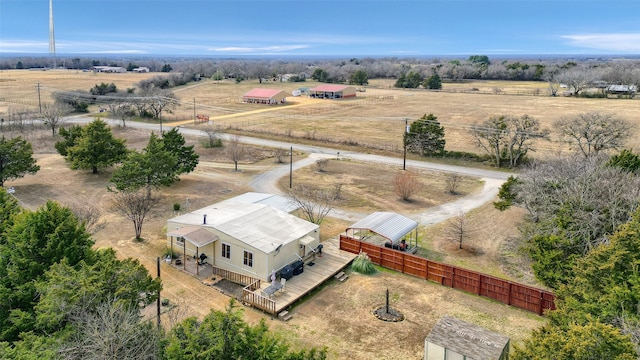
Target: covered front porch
198, 254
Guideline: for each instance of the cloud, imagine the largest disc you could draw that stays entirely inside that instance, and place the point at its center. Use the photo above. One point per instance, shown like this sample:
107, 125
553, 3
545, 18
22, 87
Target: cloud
611, 42
262, 49
23, 46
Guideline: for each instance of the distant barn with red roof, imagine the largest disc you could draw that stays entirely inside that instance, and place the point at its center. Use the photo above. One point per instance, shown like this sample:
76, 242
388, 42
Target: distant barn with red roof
328, 91
265, 96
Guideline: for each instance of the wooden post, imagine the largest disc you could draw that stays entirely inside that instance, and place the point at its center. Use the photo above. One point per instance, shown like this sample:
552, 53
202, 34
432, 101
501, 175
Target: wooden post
158, 301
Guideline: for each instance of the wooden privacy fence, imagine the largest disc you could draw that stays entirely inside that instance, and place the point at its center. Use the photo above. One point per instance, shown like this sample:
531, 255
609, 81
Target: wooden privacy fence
513, 294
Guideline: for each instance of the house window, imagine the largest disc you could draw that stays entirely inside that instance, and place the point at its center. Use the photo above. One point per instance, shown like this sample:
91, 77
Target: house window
226, 251
180, 240
248, 259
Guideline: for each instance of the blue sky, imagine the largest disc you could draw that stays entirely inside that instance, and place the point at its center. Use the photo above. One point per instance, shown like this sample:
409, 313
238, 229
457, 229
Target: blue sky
322, 28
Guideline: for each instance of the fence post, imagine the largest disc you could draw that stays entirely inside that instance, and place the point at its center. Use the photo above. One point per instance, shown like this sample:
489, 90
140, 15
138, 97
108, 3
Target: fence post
540, 307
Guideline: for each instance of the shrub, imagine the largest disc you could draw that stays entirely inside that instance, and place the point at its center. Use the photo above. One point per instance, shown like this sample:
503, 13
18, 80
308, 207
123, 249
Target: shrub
168, 252
363, 265
176, 207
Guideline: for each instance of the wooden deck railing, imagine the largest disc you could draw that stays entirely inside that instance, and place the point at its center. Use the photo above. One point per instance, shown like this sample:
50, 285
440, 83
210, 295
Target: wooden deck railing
235, 277
514, 294
257, 300
248, 294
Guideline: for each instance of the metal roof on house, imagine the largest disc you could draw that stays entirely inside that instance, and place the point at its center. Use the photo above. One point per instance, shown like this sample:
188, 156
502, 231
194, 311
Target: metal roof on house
259, 93
260, 226
386, 224
275, 201
467, 339
330, 88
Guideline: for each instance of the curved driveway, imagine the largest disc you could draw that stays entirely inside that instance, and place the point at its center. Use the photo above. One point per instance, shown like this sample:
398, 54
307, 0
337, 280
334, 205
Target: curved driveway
267, 182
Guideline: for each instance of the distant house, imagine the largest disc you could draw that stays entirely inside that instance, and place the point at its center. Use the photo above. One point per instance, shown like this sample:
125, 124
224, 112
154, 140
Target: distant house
452, 338
265, 96
142, 69
251, 234
621, 89
109, 69
328, 91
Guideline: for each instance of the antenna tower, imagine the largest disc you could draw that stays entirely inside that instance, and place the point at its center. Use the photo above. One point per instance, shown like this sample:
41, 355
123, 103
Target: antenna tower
52, 37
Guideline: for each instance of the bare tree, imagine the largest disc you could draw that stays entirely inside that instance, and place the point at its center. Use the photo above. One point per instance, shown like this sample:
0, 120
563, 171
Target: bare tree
235, 150
314, 203
576, 79
321, 164
113, 331
53, 114
405, 184
121, 107
279, 154
452, 182
134, 205
594, 132
490, 136
508, 135
213, 136
521, 133
457, 229
90, 216
160, 100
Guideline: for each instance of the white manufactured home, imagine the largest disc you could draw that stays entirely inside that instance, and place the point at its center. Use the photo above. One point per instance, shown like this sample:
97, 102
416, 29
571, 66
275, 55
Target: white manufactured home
253, 234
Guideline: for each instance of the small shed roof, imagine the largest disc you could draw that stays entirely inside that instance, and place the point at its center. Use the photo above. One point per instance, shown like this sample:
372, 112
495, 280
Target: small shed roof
259, 93
467, 339
330, 88
386, 224
275, 201
195, 235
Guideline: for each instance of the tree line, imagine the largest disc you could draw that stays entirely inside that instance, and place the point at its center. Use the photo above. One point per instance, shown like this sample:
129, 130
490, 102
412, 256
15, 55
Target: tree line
575, 73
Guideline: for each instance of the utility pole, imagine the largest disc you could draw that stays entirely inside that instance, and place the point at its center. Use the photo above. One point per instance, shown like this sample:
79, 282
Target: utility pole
290, 167
404, 141
39, 101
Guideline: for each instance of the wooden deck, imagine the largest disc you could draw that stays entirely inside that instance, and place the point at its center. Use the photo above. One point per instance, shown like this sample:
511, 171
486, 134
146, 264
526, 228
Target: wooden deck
332, 261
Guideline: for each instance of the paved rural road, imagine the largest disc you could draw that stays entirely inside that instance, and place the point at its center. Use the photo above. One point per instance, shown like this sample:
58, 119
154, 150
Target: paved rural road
267, 182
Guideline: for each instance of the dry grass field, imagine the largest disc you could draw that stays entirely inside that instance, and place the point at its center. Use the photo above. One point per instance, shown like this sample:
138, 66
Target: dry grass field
374, 118
338, 316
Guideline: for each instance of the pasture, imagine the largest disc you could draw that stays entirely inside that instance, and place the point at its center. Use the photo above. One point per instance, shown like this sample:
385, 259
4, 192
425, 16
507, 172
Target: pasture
338, 316
374, 119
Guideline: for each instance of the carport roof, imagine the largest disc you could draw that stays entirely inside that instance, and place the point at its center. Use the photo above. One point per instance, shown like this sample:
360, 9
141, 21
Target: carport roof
329, 88
386, 224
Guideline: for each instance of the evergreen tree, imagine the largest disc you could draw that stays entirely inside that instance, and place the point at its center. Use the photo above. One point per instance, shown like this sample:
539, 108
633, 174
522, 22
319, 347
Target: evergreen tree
174, 143
149, 169
35, 241
425, 136
96, 148
359, 77
16, 159
69, 139
433, 82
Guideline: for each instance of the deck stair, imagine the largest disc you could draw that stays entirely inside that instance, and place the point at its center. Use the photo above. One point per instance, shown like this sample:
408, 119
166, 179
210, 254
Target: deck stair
284, 315
341, 276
